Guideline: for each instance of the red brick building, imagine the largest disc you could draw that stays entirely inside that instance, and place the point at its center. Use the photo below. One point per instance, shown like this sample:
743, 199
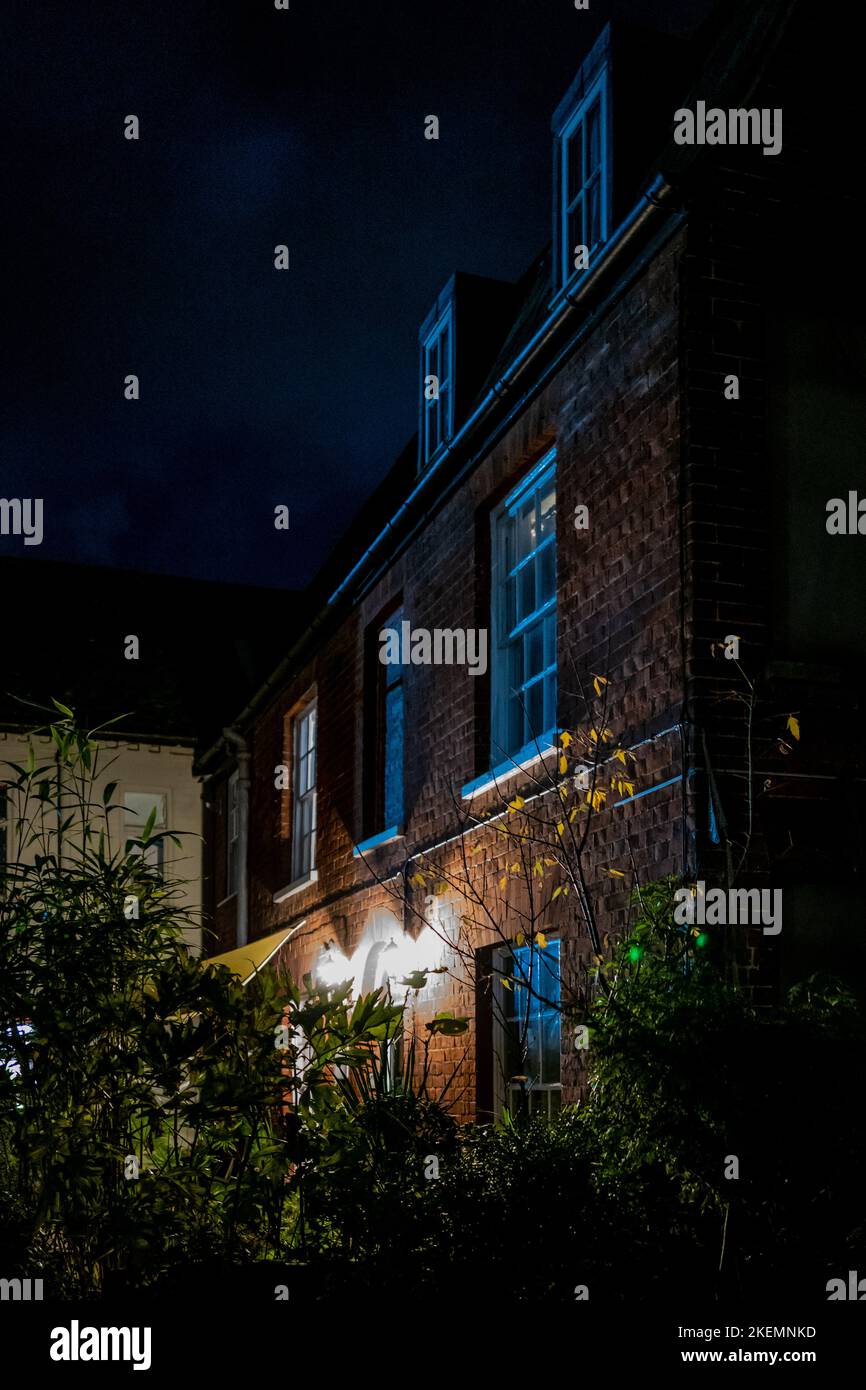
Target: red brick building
678, 364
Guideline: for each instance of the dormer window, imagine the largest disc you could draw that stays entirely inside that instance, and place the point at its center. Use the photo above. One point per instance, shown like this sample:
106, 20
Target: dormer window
583, 178
437, 382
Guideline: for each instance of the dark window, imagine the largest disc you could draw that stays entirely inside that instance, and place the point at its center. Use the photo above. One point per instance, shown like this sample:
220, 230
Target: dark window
385, 768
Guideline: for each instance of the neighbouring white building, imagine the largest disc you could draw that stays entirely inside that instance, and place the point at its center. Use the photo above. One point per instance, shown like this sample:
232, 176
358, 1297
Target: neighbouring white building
147, 774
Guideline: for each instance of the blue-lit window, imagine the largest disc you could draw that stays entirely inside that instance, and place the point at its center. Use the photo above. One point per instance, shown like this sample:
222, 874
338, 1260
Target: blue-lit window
437, 378
304, 793
391, 738
533, 1030
584, 179
524, 614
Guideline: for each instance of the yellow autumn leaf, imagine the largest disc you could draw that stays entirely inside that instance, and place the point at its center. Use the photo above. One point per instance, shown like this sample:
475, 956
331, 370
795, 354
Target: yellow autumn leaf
520, 938
556, 892
629, 787
563, 764
541, 940
571, 815
506, 983
515, 868
503, 881
615, 873
620, 753
794, 725
566, 739
517, 804
593, 735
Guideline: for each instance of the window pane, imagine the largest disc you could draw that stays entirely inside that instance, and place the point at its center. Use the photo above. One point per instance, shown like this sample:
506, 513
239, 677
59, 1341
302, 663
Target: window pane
534, 703
573, 164
515, 665
525, 531
593, 201
575, 236
526, 591
549, 623
138, 806
546, 574
514, 732
550, 1034
593, 139
393, 770
509, 614
549, 720
444, 408
533, 649
547, 511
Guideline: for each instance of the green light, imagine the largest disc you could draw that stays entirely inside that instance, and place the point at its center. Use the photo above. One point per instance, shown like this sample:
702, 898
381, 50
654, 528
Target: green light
635, 952
702, 939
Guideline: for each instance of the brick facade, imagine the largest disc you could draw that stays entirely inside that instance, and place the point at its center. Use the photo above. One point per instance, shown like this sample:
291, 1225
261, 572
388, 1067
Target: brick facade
680, 486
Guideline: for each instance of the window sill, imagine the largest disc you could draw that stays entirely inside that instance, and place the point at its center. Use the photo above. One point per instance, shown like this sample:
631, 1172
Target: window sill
521, 761
296, 887
385, 837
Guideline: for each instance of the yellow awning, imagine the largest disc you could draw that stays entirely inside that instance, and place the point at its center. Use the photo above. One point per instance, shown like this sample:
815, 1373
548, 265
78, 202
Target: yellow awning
246, 961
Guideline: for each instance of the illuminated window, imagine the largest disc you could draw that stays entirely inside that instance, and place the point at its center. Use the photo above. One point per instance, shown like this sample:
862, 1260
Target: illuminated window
524, 614
531, 1009
137, 810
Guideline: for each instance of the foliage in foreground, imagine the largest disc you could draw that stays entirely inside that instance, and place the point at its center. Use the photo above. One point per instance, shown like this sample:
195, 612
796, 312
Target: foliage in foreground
156, 1117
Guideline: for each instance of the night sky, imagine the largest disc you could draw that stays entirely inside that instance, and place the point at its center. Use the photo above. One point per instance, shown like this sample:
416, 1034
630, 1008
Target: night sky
156, 257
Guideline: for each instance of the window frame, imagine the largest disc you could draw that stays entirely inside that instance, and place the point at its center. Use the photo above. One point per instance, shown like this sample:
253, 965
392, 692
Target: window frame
430, 343
384, 679
504, 523
575, 122
132, 831
503, 961
301, 869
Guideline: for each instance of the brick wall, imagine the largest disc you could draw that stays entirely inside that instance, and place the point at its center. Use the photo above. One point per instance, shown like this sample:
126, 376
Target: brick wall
613, 414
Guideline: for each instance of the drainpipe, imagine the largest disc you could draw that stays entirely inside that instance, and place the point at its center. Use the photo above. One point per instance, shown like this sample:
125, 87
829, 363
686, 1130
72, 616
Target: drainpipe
237, 741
